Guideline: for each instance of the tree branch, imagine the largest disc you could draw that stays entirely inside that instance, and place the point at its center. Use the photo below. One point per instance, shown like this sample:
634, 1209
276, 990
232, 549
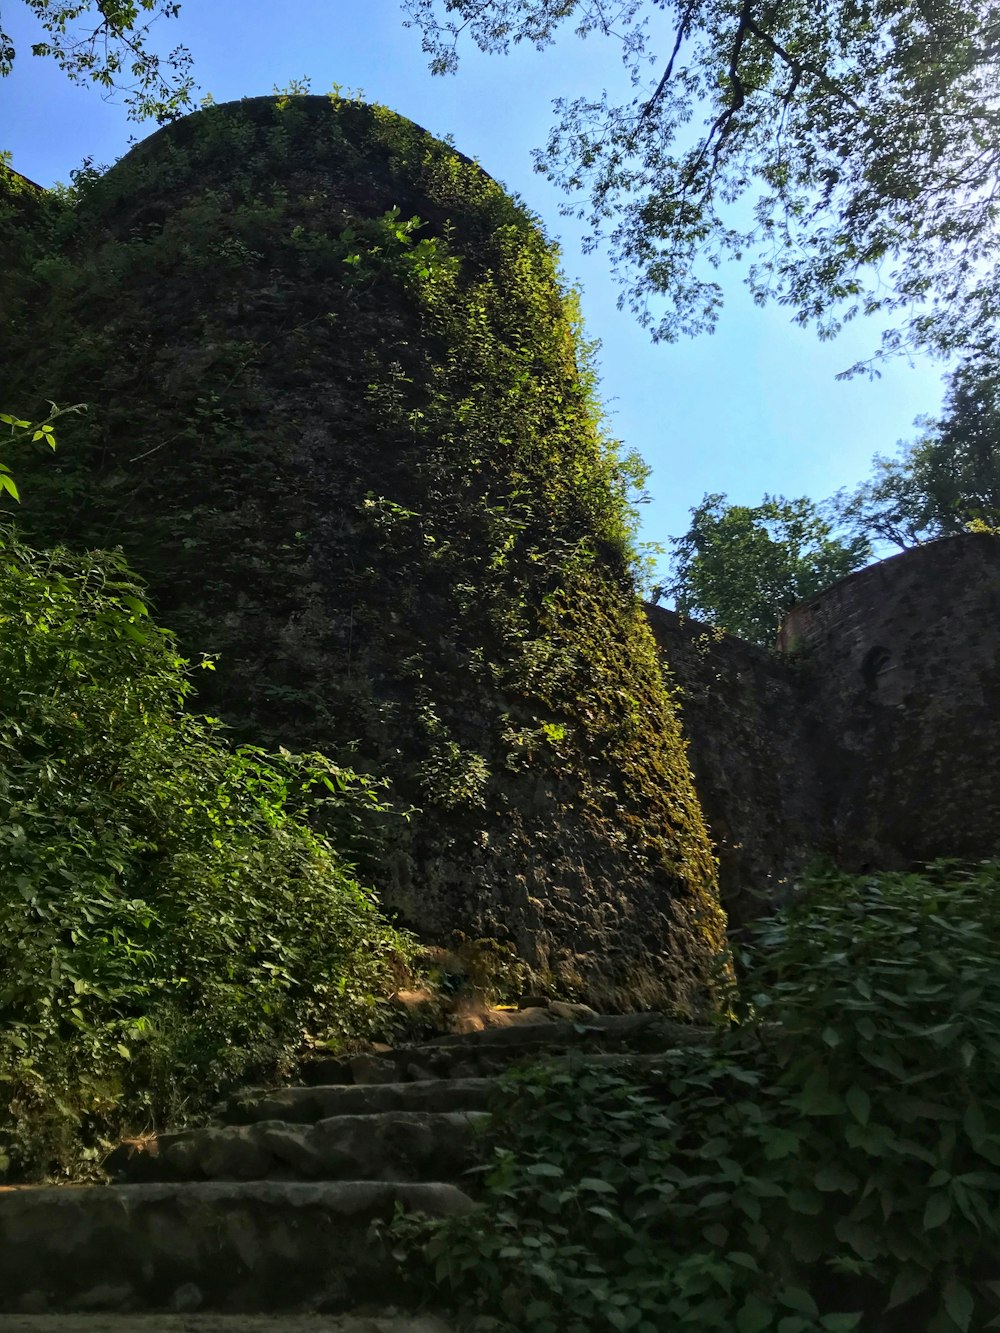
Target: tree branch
668, 72
798, 67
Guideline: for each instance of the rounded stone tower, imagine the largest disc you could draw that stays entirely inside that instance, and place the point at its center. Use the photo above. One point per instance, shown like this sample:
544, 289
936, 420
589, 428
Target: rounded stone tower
342, 423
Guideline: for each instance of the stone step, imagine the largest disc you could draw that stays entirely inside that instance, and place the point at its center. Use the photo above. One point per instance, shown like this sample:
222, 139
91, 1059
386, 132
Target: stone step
387, 1145
303, 1105
388, 1322
638, 1030
263, 1247
489, 1052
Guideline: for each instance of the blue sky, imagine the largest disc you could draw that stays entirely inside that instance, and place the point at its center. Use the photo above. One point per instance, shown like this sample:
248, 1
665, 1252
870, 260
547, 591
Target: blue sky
753, 408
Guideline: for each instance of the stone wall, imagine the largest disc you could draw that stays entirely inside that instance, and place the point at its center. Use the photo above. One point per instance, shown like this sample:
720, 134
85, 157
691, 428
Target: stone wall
904, 663
872, 736
341, 422
354, 455
754, 753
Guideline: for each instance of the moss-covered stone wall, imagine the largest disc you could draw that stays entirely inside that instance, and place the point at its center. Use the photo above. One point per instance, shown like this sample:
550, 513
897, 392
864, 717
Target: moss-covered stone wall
871, 739
343, 423
903, 660
756, 746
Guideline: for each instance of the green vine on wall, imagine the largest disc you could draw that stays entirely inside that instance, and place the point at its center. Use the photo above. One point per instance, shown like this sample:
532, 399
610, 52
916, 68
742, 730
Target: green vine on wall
364, 465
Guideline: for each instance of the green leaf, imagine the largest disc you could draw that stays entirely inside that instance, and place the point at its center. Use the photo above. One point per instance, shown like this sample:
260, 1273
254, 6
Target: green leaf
938, 1210
805, 1201
863, 1239
974, 1124
598, 1186
545, 1169
538, 1310
754, 1316
7, 484
780, 1143
817, 1098
797, 1298
959, 1302
859, 1104
884, 1060
835, 1177
909, 1282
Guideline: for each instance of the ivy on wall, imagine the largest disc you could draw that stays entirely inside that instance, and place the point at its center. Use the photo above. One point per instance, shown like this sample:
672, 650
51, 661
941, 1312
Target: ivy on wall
345, 425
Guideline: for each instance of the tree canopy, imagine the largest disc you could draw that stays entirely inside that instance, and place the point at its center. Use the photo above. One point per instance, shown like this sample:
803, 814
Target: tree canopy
742, 567
848, 152
107, 42
944, 482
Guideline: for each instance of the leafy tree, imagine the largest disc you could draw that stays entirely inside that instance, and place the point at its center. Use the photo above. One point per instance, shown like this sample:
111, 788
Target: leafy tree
107, 42
169, 920
744, 566
946, 481
849, 150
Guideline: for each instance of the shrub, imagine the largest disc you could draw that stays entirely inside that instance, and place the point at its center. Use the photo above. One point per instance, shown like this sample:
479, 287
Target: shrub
169, 922
829, 1162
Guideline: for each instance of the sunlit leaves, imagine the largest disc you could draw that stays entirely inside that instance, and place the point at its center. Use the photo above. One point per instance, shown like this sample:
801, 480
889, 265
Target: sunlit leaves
167, 916
846, 154
742, 567
39, 431
108, 43
947, 480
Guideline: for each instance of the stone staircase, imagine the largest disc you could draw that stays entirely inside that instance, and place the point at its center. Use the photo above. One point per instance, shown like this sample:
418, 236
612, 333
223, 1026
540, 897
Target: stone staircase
270, 1209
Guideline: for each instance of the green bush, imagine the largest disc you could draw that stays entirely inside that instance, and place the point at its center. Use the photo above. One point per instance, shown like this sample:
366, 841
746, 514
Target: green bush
829, 1162
169, 923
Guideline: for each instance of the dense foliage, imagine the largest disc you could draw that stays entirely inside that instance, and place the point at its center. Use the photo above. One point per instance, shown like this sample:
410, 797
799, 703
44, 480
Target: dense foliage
168, 921
830, 1162
107, 42
948, 479
848, 150
743, 567
364, 464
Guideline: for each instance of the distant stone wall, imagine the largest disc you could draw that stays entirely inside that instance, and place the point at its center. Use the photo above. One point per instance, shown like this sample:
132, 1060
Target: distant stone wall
872, 737
904, 663
753, 749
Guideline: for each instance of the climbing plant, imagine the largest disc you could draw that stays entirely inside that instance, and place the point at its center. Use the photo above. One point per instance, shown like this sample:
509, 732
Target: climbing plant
35, 432
829, 1162
345, 425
